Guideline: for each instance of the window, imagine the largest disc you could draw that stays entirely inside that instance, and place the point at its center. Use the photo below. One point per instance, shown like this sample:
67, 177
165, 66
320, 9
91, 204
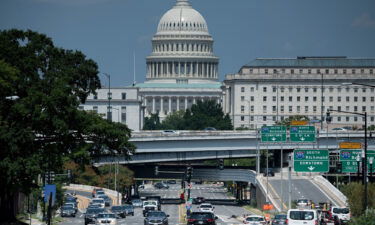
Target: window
274, 118
314, 98
252, 89
275, 71
318, 71
339, 108
309, 71
314, 108
109, 95
274, 98
290, 108
339, 119
290, 98
123, 96
339, 89
95, 109
362, 71
363, 99
80, 108
355, 90
347, 118
123, 114
355, 108
264, 118
298, 98
264, 108
252, 108
355, 119
264, 89
306, 108
242, 108
364, 90
274, 108
95, 97
335, 71
355, 99
242, 89
314, 89
281, 98
266, 71
306, 98
347, 98
301, 71
327, 71
251, 118
372, 99
282, 108
363, 108
282, 89
252, 98
331, 89
242, 98
371, 71
242, 118
339, 99
306, 89
264, 98
298, 108
353, 71
298, 89
347, 108
292, 71
344, 71
274, 89
323, 98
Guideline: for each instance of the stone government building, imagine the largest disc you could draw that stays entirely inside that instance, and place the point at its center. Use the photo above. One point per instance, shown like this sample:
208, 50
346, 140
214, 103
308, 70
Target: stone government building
182, 68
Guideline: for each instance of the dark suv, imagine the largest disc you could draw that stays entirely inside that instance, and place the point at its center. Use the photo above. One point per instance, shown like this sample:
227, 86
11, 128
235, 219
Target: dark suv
156, 218
206, 218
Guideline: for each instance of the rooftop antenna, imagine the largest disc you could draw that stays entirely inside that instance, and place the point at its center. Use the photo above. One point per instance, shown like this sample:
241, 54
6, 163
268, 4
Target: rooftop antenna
134, 82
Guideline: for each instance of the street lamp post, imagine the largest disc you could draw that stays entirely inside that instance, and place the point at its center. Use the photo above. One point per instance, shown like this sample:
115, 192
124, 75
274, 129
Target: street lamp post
109, 111
364, 152
371, 161
358, 158
321, 102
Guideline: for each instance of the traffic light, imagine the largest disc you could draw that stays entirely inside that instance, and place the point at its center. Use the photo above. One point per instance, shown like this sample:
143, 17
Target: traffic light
189, 172
328, 117
69, 174
339, 167
221, 164
156, 170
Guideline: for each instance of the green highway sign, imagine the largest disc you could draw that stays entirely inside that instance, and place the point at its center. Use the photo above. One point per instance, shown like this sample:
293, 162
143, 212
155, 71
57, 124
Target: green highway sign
315, 160
273, 134
349, 163
302, 134
348, 159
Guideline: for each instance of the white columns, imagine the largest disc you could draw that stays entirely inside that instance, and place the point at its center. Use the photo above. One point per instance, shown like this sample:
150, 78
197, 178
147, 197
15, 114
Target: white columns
194, 100
161, 105
157, 69
185, 68
179, 69
186, 102
153, 104
169, 104
178, 103
168, 75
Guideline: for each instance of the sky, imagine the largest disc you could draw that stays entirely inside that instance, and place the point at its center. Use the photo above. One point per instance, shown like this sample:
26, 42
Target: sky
111, 31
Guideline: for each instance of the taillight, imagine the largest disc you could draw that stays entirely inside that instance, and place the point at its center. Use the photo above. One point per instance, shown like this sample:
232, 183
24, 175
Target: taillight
316, 222
286, 221
210, 220
191, 220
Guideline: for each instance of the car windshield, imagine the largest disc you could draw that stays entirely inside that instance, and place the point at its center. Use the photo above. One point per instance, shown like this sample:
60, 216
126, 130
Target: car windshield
149, 203
279, 217
301, 215
302, 201
98, 201
136, 201
254, 219
116, 208
341, 210
206, 206
106, 215
156, 214
94, 211
67, 207
200, 216
128, 206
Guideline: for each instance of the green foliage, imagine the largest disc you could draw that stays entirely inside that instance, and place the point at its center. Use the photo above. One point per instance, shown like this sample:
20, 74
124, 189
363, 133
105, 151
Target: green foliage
354, 191
365, 219
152, 122
43, 126
174, 121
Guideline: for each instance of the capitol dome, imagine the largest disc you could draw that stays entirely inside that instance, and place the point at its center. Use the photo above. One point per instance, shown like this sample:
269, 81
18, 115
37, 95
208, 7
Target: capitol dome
182, 18
182, 48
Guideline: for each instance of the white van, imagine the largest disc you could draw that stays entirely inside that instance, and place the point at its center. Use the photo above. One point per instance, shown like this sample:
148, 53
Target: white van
302, 217
342, 213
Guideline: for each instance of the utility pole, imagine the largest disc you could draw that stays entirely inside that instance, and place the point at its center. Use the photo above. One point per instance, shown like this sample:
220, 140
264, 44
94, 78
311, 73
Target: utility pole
290, 184
109, 111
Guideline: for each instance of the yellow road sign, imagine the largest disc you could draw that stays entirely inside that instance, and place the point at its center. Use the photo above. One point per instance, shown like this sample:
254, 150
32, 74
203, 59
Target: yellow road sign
299, 123
350, 145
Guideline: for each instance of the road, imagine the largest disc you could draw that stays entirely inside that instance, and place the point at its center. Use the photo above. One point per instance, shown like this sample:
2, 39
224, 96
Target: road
225, 214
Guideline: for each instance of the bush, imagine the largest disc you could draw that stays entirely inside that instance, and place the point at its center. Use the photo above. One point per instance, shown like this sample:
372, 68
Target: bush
365, 219
355, 193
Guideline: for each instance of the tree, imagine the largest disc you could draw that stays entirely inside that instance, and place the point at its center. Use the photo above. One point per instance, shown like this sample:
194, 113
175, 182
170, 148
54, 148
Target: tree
42, 126
287, 121
174, 121
207, 114
152, 122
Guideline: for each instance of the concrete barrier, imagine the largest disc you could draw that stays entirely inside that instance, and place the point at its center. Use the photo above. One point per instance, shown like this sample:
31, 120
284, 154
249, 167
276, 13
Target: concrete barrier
80, 187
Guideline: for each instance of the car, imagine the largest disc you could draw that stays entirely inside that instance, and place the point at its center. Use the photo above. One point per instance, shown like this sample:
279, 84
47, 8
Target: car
170, 132
99, 192
67, 210
342, 213
141, 186
209, 129
206, 207
325, 218
302, 216
119, 211
302, 202
71, 204
129, 209
94, 206
156, 218
155, 198
99, 201
255, 220
280, 219
149, 205
269, 173
137, 203
201, 218
91, 214
161, 186
171, 182
106, 219
93, 193
107, 200
339, 129
199, 200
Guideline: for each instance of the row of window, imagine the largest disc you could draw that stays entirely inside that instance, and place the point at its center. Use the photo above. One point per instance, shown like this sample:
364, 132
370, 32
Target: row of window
109, 96
315, 71
182, 26
313, 89
176, 47
109, 112
315, 98
307, 109
334, 119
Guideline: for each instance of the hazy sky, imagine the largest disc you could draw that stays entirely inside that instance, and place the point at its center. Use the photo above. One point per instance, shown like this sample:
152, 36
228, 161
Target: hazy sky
109, 31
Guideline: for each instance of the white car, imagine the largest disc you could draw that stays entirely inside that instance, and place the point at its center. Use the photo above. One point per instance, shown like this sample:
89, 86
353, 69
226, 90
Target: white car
302, 217
302, 202
255, 220
342, 213
98, 201
106, 219
206, 207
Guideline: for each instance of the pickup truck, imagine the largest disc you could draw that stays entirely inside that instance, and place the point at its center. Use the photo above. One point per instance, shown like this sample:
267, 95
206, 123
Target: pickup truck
149, 205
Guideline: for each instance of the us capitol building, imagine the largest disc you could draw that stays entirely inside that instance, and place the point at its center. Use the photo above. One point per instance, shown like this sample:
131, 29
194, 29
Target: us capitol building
183, 69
